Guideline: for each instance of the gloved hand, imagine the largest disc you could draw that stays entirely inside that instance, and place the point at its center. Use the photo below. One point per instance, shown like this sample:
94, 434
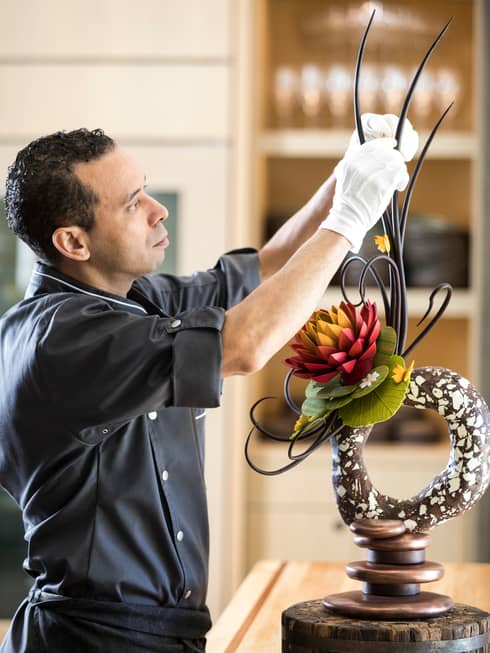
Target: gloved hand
367, 177
376, 125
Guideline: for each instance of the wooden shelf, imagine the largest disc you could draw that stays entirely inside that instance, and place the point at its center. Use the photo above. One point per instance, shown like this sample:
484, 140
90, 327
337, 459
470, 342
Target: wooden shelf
325, 143
463, 301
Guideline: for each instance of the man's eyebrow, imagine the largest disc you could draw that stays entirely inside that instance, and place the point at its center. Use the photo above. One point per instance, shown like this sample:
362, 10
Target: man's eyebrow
130, 196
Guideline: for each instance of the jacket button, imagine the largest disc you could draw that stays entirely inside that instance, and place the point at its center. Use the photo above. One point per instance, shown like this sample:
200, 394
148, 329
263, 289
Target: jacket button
175, 323
165, 475
180, 536
187, 595
153, 415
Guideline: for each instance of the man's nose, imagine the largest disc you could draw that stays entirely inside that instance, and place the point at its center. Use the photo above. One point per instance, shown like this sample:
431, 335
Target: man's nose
159, 212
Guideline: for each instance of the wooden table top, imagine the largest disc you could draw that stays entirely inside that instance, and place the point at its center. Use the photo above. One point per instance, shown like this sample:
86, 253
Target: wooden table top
252, 621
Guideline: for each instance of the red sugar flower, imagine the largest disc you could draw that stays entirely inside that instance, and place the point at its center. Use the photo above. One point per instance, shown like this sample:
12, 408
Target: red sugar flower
340, 341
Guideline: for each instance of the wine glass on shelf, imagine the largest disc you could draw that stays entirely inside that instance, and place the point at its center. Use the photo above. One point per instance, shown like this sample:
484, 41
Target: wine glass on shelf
311, 93
338, 93
392, 88
285, 95
447, 90
423, 99
369, 87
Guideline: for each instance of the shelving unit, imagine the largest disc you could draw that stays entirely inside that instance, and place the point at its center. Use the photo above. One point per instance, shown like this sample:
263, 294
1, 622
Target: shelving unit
289, 164
324, 143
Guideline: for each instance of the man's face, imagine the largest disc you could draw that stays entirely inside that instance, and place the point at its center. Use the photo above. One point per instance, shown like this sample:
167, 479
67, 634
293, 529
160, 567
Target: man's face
128, 238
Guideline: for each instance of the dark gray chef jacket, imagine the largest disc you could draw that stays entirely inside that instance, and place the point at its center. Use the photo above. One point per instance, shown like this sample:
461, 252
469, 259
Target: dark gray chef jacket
102, 404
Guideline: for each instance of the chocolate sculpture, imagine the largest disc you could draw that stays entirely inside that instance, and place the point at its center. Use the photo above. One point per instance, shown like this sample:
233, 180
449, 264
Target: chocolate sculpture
357, 377
459, 486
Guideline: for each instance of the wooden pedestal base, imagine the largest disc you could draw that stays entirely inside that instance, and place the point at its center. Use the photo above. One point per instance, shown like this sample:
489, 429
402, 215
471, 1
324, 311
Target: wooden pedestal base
310, 628
391, 576
371, 606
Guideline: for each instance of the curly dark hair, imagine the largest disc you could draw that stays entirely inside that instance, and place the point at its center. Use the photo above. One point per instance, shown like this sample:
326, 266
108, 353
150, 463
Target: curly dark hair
43, 192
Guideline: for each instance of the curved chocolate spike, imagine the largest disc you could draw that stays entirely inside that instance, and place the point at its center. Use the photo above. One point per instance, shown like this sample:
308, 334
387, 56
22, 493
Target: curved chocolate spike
418, 166
395, 212
325, 435
296, 409
307, 432
399, 220
386, 218
396, 276
342, 273
259, 470
257, 425
360, 54
403, 325
324, 430
399, 304
411, 88
374, 273
431, 299
437, 316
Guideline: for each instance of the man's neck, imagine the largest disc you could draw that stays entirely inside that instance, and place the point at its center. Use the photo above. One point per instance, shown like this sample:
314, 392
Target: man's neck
86, 274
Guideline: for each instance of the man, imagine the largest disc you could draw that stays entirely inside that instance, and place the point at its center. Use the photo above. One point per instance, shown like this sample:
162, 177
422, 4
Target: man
105, 372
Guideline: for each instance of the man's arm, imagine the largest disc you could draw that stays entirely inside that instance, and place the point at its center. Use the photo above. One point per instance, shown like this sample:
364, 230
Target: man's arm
296, 231
257, 327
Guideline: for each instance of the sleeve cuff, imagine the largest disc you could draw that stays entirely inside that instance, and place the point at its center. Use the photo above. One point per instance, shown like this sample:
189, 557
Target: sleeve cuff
197, 358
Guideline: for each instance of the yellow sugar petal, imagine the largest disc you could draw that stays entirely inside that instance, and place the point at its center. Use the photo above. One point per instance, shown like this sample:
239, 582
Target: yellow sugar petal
398, 373
383, 243
308, 342
333, 330
325, 340
311, 331
343, 319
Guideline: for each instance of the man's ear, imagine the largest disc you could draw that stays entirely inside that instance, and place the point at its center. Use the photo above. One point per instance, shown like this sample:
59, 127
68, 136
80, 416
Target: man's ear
72, 242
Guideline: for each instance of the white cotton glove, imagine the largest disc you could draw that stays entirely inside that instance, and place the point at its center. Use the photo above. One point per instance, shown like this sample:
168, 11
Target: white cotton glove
367, 177
376, 125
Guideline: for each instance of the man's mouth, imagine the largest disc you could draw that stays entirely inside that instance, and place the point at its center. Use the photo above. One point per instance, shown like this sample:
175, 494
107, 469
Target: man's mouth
164, 242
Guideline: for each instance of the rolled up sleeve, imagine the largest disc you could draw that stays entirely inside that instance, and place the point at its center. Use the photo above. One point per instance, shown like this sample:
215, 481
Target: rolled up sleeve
196, 370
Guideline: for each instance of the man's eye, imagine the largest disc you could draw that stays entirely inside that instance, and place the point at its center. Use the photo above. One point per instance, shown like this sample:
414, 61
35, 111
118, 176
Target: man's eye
134, 205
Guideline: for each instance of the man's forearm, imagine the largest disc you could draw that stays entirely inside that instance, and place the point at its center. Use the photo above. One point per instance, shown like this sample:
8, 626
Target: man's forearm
296, 231
264, 321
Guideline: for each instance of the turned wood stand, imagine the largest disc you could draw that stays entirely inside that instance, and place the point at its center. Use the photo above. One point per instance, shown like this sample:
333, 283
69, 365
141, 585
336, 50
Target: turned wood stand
310, 628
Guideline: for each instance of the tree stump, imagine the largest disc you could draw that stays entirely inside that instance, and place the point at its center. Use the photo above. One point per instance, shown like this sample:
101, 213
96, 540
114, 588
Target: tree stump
310, 628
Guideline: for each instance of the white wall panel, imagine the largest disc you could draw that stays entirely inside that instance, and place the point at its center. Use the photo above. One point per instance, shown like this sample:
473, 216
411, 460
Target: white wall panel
130, 101
99, 28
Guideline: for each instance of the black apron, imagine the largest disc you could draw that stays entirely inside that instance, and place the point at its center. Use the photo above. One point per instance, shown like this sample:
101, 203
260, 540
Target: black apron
50, 623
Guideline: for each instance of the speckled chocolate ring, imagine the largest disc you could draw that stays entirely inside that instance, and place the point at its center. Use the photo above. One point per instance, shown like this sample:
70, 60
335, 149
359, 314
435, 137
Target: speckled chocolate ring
462, 482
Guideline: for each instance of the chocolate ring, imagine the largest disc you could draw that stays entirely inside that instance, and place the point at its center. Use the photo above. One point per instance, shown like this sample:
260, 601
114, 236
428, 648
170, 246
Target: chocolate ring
461, 483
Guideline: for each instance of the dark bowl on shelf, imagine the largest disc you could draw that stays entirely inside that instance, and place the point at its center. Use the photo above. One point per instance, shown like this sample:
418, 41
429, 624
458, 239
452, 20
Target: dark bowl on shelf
436, 251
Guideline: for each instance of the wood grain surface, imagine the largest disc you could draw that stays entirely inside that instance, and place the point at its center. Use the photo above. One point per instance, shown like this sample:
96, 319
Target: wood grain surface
236, 632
